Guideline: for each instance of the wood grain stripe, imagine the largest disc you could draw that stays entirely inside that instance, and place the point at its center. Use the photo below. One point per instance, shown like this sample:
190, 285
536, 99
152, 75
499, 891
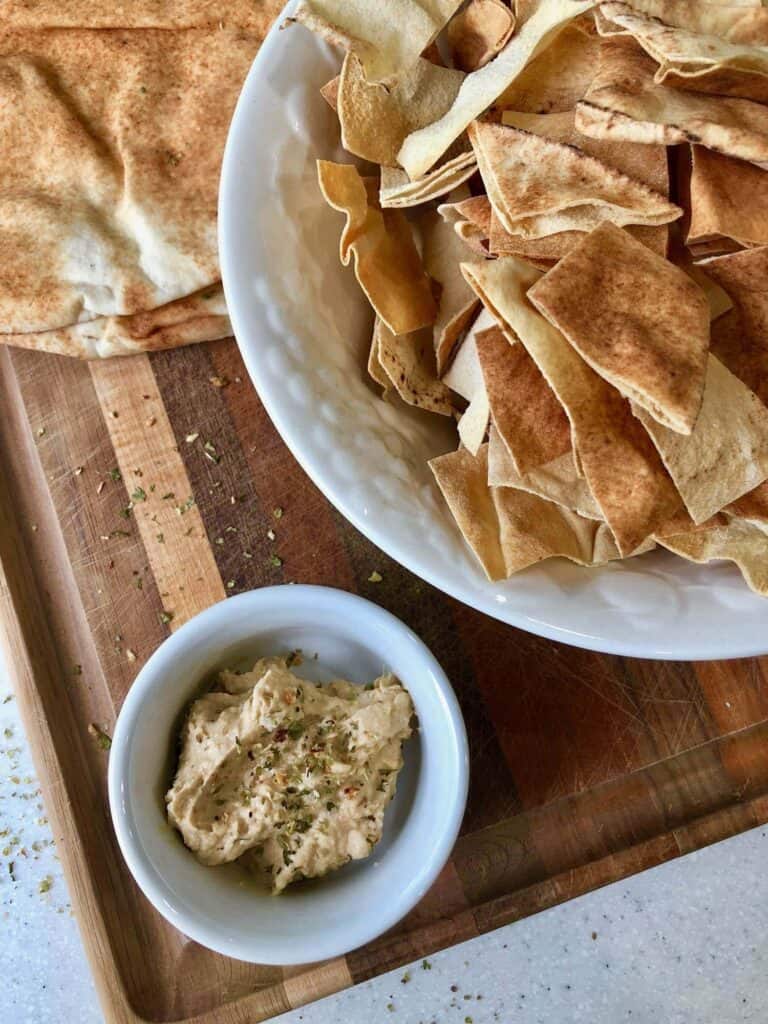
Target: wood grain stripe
179, 555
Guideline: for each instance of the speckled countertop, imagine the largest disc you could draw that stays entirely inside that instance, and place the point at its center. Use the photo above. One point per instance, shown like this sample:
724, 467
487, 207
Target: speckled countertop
685, 943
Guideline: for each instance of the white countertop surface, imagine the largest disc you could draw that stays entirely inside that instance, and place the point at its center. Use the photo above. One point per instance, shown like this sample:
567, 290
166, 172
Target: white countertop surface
684, 943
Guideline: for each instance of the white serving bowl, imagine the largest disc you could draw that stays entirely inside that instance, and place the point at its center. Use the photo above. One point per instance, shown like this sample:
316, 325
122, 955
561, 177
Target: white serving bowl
219, 907
303, 327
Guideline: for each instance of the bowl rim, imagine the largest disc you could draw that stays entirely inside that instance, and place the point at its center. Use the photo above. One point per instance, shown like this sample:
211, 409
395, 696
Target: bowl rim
150, 678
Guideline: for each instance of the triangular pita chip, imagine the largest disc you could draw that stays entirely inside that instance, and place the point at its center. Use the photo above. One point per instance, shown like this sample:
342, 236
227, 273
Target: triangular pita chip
638, 320
538, 187
739, 541
555, 481
409, 362
387, 263
375, 119
330, 92
624, 102
481, 88
397, 189
557, 77
726, 455
387, 37
478, 32
729, 199
508, 529
465, 377
619, 461
524, 409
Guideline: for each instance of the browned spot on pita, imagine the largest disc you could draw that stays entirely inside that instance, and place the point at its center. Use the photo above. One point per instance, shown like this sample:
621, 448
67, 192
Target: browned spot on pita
409, 362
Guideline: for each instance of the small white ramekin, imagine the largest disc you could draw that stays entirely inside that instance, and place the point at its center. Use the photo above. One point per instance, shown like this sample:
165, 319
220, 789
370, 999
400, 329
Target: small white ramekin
218, 907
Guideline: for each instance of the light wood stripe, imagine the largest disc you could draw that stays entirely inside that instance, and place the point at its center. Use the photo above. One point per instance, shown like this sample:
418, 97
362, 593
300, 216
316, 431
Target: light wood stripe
177, 547
304, 985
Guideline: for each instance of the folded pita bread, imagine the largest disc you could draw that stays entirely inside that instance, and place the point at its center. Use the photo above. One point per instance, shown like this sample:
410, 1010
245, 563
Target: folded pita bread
397, 189
624, 102
508, 529
409, 362
729, 199
556, 481
539, 187
726, 455
478, 32
388, 38
653, 351
422, 149
557, 77
387, 263
376, 119
737, 21
624, 472
109, 187
739, 541
525, 411
198, 317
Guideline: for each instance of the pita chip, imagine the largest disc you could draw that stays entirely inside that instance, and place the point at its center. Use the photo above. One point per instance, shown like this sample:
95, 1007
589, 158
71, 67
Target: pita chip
409, 362
388, 38
726, 455
465, 377
387, 263
478, 32
375, 119
624, 472
736, 21
739, 541
397, 189
729, 199
625, 103
471, 220
525, 411
558, 77
652, 351
422, 149
330, 93
752, 506
141, 14
555, 481
508, 529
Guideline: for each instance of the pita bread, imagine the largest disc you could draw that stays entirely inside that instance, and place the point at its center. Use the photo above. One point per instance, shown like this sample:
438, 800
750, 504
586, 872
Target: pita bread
508, 529
388, 38
536, 185
109, 187
387, 263
729, 199
422, 149
140, 14
557, 78
625, 103
478, 32
376, 119
718, 299
653, 351
739, 541
752, 506
555, 481
689, 60
726, 455
728, 20
525, 411
409, 362
397, 189
198, 317
442, 252
465, 377
623, 469
376, 370
330, 93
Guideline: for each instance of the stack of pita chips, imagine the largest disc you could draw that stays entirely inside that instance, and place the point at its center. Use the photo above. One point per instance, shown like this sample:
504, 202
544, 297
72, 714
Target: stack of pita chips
597, 325
114, 121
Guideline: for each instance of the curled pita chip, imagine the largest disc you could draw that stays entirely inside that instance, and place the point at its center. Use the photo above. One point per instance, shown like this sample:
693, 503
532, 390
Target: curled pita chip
422, 149
729, 199
376, 119
199, 317
397, 189
624, 102
653, 351
726, 455
442, 252
737, 21
525, 411
555, 481
739, 541
509, 529
624, 472
465, 377
690, 60
409, 362
376, 370
387, 263
478, 32
557, 78
388, 38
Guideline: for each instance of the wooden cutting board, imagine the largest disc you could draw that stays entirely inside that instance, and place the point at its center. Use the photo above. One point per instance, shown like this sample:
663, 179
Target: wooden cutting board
585, 768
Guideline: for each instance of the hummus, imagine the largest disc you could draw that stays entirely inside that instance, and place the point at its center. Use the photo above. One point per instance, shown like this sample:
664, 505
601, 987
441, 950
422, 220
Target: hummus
293, 775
